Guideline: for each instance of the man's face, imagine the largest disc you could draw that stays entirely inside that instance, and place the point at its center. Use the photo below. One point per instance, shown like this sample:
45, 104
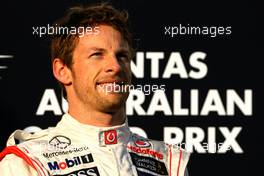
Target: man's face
101, 64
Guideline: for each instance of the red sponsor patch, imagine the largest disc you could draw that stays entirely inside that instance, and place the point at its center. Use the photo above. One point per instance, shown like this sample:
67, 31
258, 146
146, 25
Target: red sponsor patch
146, 151
110, 137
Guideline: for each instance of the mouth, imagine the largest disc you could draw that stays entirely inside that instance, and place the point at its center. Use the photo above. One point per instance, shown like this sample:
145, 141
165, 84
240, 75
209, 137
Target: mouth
112, 81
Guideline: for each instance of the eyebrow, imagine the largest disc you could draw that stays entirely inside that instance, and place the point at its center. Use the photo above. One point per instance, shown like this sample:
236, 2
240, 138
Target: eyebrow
97, 49
121, 50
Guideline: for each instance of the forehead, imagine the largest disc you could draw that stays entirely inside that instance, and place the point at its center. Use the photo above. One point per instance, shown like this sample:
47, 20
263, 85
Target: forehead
103, 36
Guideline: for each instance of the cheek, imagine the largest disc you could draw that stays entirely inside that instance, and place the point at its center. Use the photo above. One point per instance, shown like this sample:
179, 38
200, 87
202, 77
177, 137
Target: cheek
79, 74
128, 71
126, 66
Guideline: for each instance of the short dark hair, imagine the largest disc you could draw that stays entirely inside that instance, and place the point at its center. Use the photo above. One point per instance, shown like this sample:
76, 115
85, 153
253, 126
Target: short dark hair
62, 45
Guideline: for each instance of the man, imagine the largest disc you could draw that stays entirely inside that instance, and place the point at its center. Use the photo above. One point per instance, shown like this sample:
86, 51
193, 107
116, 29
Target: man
93, 138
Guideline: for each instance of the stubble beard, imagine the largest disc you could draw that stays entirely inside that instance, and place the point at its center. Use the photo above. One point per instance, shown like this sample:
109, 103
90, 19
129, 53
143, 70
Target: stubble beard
102, 102
110, 103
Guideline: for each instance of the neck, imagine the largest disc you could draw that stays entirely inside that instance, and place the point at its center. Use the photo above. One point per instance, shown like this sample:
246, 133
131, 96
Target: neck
97, 118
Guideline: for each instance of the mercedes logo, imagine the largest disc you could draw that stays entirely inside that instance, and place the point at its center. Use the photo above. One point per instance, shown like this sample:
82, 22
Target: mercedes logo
60, 142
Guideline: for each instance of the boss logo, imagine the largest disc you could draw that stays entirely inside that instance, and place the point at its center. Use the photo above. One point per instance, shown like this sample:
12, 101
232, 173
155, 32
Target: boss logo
93, 171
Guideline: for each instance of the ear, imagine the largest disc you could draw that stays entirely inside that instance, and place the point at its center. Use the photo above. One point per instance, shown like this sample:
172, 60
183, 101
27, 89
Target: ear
61, 72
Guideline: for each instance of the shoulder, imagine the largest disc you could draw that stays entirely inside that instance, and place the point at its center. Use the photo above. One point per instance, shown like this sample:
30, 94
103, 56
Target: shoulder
23, 138
28, 143
13, 165
173, 156
23, 152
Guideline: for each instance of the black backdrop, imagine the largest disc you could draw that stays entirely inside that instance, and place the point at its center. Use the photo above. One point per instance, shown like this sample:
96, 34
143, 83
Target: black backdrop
232, 61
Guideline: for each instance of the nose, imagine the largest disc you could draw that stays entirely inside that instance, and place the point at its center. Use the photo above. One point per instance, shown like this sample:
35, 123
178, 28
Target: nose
113, 65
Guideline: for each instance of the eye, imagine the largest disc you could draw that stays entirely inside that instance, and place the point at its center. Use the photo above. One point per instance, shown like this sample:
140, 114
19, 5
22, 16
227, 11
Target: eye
122, 57
96, 54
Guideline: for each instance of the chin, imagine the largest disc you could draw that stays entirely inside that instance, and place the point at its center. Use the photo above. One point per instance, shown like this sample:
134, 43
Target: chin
114, 102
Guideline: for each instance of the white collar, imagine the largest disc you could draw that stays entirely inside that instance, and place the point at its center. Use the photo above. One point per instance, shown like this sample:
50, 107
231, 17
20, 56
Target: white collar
103, 136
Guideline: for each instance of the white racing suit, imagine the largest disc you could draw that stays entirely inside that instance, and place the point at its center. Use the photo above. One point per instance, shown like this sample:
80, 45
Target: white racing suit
75, 149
